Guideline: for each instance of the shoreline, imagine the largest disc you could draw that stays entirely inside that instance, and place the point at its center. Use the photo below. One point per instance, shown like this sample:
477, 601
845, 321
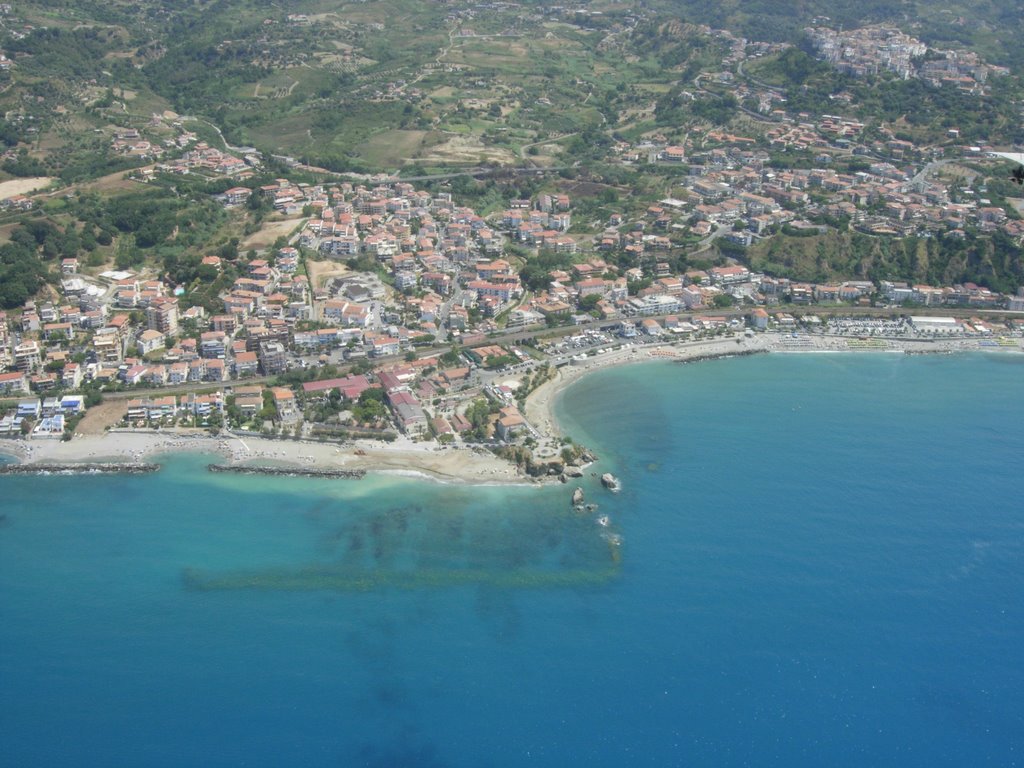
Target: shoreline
464, 465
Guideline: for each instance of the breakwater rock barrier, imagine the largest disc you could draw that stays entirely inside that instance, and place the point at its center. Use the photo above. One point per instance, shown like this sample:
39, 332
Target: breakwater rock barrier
718, 355
241, 469
104, 468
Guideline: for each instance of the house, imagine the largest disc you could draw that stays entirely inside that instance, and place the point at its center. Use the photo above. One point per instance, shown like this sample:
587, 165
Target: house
50, 426
71, 377
13, 383
213, 344
237, 195
480, 355
730, 275
383, 346
249, 400
152, 409
133, 374
350, 387
57, 331
72, 404
150, 341
650, 327
408, 414
591, 286
284, 402
246, 364
673, 155
203, 406
759, 319
510, 423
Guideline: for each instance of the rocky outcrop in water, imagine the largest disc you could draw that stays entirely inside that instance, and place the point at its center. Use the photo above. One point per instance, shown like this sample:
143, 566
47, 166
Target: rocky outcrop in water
611, 482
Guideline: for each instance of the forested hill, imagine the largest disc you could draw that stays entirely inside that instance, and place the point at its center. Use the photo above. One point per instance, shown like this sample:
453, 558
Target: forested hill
990, 27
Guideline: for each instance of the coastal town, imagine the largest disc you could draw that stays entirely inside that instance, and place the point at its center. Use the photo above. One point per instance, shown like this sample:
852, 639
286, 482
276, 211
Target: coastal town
367, 311
486, 382
391, 314
438, 342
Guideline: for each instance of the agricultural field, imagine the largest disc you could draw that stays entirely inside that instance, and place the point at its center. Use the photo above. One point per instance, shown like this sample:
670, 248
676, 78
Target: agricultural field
338, 85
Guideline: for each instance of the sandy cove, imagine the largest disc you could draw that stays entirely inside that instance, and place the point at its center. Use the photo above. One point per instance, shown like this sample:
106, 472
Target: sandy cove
541, 402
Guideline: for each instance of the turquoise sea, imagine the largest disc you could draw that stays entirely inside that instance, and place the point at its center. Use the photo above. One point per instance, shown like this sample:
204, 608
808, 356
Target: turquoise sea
821, 564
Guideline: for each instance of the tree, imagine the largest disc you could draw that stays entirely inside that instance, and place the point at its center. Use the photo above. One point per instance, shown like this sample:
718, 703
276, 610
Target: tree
21, 274
450, 358
215, 421
723, 300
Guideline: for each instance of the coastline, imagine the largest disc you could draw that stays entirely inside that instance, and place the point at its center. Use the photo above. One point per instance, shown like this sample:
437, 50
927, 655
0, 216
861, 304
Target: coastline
403, 457
453, 465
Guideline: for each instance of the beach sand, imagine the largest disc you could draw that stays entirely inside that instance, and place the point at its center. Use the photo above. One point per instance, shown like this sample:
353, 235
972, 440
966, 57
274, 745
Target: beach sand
453, 465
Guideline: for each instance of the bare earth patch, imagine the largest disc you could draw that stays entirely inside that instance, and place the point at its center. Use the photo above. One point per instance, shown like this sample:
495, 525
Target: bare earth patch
269, 233
320, 271
467, 149
99, 417
23, 186
112, 182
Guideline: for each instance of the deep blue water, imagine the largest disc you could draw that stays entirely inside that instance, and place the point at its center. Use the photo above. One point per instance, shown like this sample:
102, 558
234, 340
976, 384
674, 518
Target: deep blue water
822, 563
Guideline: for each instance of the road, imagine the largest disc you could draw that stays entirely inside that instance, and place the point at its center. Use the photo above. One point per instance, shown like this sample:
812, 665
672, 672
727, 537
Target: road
921, 177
